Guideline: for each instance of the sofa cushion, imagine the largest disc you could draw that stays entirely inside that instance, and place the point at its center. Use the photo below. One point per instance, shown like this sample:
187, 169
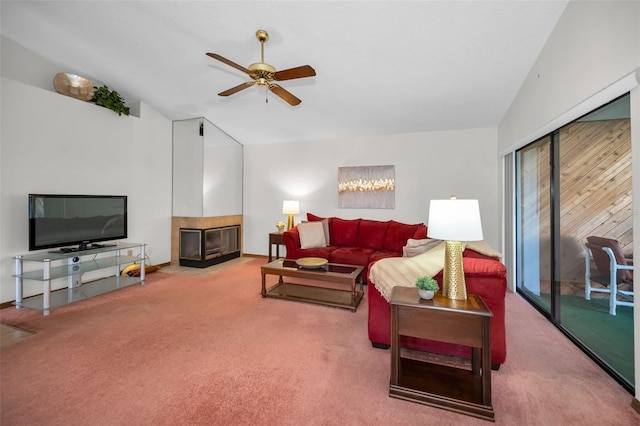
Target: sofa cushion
371, 234
344, 232
311, 235
377, 255
398, 234
322, 252
351, 256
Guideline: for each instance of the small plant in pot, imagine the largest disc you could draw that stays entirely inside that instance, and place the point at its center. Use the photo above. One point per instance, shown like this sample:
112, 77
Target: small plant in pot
427, 287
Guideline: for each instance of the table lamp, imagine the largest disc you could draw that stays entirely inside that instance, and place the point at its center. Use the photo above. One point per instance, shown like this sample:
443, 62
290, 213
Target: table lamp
290, 207
454, 221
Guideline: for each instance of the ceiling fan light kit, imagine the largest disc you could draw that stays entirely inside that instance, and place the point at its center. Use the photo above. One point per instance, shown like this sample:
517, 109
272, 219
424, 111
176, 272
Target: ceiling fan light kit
265, 75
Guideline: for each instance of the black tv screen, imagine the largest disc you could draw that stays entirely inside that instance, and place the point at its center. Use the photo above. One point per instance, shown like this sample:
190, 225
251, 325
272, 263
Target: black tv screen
66, 220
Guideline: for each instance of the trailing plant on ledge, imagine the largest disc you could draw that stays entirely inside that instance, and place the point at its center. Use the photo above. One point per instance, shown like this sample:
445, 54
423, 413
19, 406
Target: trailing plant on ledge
110, 99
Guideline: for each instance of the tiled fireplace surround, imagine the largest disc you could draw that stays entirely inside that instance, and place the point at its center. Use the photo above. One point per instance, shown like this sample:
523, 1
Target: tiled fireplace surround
178, 222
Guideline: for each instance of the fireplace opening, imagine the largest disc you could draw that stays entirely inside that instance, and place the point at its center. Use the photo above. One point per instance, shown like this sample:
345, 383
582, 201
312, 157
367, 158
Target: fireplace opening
200, 248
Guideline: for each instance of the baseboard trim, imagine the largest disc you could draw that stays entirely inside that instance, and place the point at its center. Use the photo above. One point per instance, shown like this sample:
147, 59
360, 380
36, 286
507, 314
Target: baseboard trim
635, 404
6, 304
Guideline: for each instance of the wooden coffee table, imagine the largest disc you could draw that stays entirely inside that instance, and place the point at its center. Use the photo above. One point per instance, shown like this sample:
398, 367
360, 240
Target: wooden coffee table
347, 275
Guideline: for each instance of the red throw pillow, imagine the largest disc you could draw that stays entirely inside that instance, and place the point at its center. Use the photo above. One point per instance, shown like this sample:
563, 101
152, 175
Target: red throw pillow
398, 234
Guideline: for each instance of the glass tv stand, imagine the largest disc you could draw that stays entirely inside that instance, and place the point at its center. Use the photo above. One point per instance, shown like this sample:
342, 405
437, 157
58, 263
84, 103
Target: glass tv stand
72, 265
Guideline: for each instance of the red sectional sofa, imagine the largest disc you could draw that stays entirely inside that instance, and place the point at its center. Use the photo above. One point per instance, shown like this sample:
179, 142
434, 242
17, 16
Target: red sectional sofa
356, 241
363, 242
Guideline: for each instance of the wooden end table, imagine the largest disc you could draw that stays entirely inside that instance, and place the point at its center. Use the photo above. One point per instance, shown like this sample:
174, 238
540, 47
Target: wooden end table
463, 322
277, 239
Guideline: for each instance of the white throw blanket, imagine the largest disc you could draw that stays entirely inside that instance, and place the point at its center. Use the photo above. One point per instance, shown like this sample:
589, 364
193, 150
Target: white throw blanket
403, 271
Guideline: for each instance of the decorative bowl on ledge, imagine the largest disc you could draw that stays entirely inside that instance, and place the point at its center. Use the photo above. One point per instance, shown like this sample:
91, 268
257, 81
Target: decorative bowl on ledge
73, 85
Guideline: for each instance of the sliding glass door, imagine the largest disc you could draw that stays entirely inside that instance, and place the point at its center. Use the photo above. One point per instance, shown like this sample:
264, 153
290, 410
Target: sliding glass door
533, 248
572, 184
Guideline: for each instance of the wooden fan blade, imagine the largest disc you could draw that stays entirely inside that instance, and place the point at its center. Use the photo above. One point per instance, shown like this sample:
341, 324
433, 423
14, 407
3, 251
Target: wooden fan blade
288, 97
237, 88
230, 63
297, 72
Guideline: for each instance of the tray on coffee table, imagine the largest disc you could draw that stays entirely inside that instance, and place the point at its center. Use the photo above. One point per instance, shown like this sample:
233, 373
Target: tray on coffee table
312, 290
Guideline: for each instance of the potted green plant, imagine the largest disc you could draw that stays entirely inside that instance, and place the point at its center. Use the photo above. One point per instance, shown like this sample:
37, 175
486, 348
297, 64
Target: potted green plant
427, 287
111, 99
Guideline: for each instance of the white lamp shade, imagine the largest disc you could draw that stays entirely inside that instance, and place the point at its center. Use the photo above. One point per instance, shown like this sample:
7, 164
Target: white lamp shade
454, 220
290, 207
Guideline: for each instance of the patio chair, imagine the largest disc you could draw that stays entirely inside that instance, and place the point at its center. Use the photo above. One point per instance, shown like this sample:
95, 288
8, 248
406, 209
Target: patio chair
612, 270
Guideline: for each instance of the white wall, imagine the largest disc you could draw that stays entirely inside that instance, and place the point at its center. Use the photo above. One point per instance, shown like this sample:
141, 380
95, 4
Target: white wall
427, 166
28, 67
594, 45
51, 143
592, 56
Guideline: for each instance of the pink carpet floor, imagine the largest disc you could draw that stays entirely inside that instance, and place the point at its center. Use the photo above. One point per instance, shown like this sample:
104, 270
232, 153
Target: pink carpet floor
209, 350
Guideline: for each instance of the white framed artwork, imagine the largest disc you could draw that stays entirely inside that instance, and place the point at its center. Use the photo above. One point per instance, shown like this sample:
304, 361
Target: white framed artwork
366, 187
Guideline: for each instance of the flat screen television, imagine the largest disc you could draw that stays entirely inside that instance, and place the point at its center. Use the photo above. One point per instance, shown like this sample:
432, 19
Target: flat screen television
83, 220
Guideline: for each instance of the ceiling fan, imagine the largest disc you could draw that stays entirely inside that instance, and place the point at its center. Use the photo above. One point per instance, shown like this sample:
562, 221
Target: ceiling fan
265, 75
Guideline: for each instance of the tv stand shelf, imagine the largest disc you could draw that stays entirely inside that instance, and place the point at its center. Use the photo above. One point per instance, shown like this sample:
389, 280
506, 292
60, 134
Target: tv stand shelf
72, 265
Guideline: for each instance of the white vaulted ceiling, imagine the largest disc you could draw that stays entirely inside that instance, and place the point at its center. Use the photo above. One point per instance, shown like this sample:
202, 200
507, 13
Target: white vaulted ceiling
383, 67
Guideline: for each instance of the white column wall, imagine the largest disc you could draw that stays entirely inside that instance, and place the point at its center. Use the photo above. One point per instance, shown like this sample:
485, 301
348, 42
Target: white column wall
188, 168
222, 181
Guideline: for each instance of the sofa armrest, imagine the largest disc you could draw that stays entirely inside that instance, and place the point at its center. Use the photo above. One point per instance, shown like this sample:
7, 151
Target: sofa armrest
292, 242
484, 277
476, 255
